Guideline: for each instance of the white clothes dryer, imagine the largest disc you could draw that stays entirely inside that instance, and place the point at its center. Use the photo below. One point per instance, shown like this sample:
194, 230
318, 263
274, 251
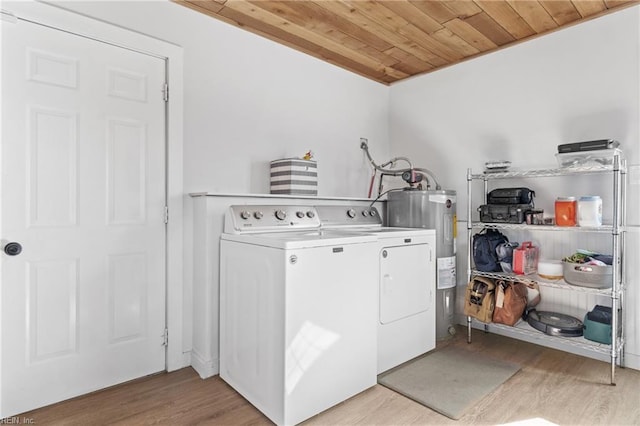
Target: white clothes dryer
297, 311
405, 282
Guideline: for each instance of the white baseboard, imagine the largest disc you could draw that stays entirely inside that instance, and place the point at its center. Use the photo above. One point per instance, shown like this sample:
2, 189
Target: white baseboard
204, 368
632, 361
184, 361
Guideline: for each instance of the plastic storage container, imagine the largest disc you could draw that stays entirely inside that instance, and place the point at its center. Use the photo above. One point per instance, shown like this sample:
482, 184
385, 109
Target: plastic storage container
590, 211
534, 217
565, 208
595, 158
525, 259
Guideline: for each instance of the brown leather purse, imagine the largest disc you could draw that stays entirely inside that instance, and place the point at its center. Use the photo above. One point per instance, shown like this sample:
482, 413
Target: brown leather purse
511, 301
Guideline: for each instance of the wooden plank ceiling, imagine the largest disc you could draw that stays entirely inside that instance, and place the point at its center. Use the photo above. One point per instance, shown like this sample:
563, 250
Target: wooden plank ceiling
389, 40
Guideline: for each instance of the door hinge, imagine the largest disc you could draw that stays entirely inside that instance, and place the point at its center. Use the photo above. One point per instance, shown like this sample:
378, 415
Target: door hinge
166, 214
165, 337
165, 91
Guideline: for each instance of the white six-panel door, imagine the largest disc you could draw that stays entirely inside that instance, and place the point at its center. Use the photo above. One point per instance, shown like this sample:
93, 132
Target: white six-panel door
83, 192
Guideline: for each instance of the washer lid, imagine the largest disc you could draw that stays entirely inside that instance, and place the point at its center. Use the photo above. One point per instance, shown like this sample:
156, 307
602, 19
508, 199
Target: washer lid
301, 239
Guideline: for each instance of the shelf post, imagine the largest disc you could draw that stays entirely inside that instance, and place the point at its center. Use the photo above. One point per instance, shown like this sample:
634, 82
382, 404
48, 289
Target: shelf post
623, 271
469, 244
617, 265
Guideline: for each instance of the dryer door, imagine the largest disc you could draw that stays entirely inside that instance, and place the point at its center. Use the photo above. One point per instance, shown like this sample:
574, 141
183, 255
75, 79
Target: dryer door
406, 281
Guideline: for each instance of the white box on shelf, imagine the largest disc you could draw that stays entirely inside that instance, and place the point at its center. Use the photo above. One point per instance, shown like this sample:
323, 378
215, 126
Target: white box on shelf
294, 176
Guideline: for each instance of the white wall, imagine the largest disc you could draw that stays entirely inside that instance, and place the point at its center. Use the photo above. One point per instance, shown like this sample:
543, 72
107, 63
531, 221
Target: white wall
247, 101
518, 104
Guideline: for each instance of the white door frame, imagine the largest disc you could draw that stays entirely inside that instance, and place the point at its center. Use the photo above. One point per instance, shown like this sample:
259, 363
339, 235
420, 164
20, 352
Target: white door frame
58, 18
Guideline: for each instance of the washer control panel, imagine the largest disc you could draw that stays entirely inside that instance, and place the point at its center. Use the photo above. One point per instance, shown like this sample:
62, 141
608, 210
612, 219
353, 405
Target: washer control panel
266, 218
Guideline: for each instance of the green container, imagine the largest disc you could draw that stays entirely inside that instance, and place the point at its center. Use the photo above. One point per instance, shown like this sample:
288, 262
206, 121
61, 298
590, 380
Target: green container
597, 324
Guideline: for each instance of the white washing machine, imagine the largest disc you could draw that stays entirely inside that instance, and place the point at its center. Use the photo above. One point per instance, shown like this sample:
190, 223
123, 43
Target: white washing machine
405, 282
297, 311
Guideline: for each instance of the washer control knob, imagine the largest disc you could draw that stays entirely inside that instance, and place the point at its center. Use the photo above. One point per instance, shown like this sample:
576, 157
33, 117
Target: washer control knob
258, 215
281, 215
300, 214
372, 212
311, 214
351, 213
245, 215
365, 213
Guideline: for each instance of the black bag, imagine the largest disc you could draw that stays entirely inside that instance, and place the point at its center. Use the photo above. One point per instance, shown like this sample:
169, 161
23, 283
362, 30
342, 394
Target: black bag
511, 196
503, 213
484, 250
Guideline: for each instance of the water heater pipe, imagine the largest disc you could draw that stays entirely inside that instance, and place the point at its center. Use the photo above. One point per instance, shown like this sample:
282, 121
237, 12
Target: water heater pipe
365, 146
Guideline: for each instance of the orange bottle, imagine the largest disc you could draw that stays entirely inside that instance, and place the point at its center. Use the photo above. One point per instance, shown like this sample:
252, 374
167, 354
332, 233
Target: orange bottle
566, 211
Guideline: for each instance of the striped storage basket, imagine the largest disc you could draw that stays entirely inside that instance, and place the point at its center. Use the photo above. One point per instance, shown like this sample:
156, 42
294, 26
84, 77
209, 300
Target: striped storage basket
294, 176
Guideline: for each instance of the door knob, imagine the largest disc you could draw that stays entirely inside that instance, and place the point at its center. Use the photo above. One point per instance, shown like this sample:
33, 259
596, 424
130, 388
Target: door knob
13, 249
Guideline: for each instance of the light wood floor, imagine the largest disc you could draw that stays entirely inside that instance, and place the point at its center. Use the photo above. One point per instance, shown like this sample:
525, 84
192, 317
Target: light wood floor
552, 387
